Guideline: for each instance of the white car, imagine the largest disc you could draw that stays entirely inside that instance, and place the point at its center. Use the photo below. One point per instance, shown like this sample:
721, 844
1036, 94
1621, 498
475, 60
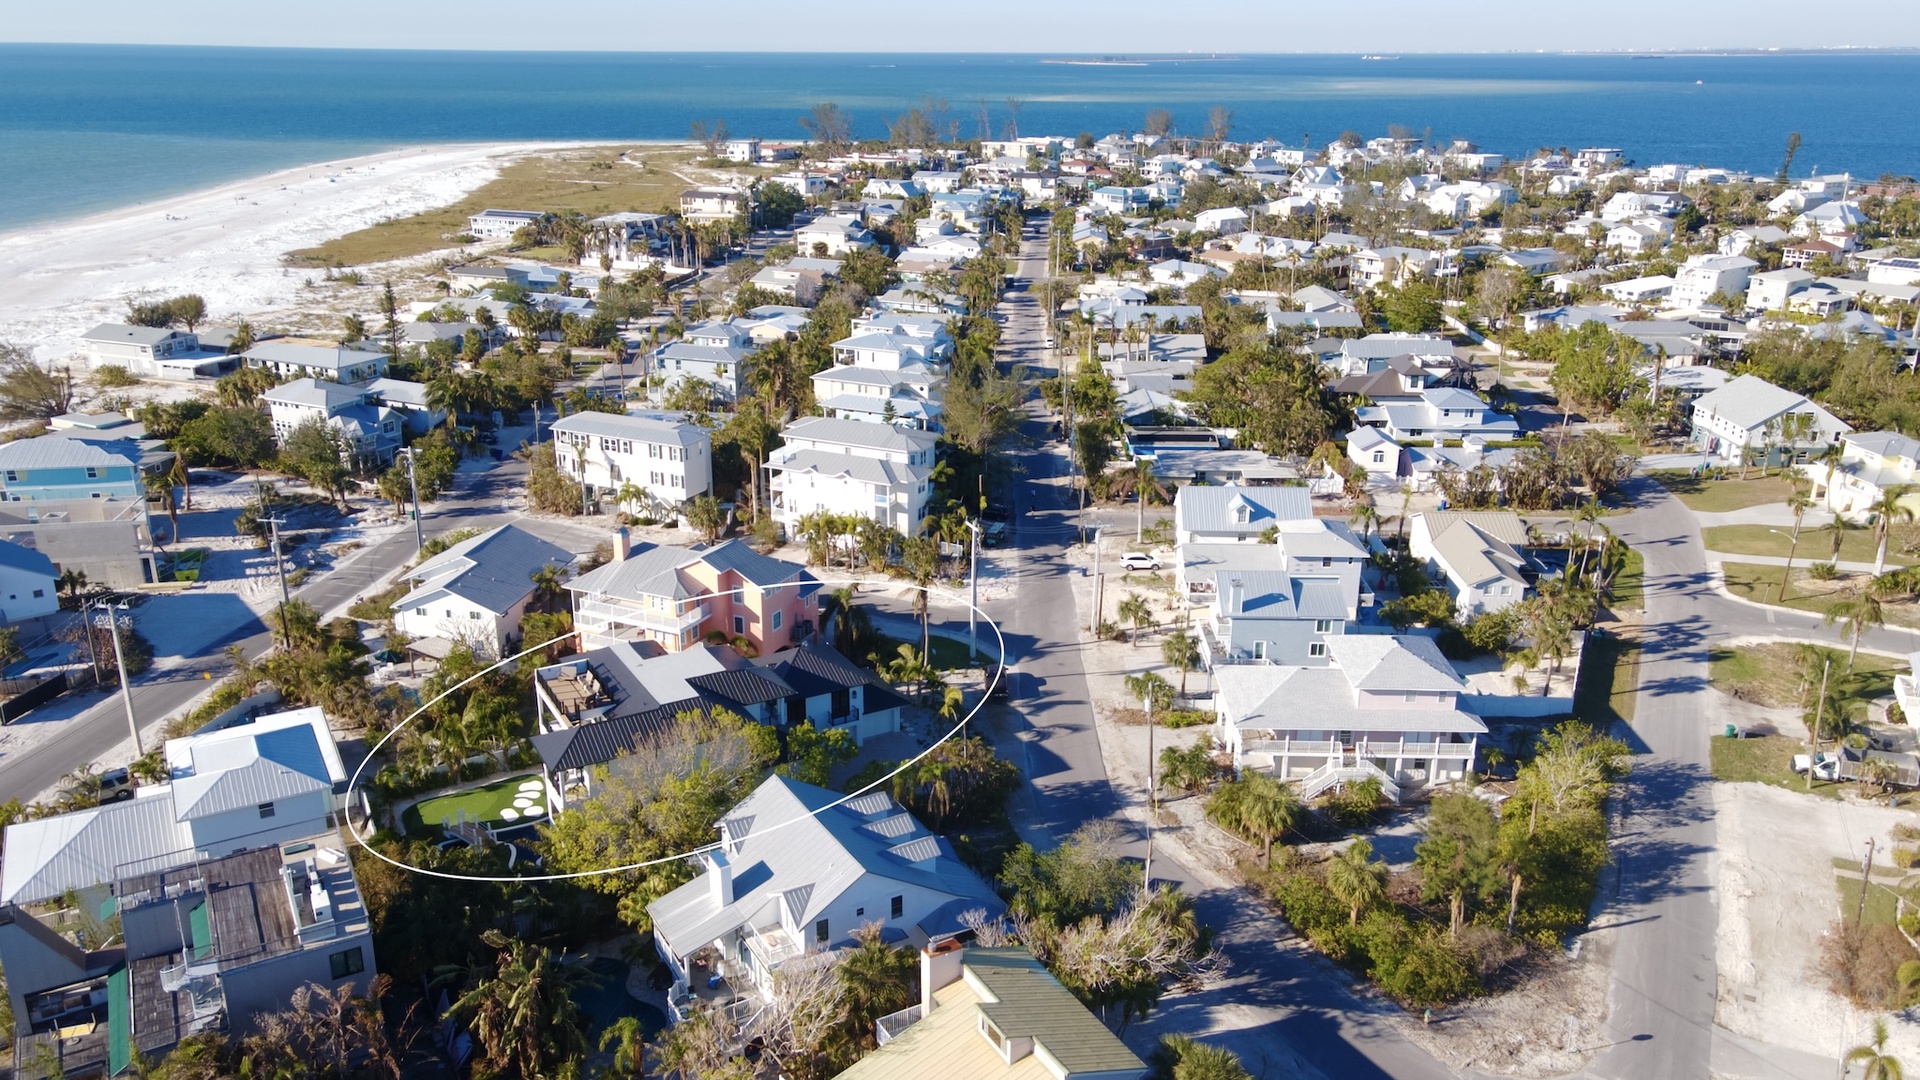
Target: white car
1140, 560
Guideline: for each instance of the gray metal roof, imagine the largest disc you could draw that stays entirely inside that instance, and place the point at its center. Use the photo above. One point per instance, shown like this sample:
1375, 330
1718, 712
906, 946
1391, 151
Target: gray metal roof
61, 450
315, 393
132, 335
1275, 594
494, 570
1750, 401
637, 428
864, 469
1393, 662
1213, 509
799, 844
314, 356
48, 856
737, 556
648, 570
233, 774
858, 433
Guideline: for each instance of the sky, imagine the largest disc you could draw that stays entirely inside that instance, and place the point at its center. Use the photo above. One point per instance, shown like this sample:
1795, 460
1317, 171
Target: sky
1023, 26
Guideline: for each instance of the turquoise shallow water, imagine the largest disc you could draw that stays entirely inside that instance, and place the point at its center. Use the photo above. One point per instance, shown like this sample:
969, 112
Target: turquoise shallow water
86, 128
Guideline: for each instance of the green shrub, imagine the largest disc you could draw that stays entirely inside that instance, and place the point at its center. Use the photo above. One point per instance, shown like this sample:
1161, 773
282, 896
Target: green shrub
114, 375
1823, 571
1416, 965
1906, 856
1183, 718
1896, 714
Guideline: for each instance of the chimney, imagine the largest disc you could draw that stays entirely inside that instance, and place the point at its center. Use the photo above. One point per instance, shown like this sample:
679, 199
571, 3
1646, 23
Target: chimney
719, 879
940, 967
622, 544
1236, 596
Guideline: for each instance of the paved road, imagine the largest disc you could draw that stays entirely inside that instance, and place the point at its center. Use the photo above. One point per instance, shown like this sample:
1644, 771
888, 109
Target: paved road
1286, 1014
1664, 975
94, 733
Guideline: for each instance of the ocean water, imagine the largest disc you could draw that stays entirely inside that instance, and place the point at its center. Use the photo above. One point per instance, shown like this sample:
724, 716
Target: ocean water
86, 128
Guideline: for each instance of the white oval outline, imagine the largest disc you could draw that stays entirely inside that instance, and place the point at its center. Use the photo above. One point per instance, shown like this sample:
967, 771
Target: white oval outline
354, 781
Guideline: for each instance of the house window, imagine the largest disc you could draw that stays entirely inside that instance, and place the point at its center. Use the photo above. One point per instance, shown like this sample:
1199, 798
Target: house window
347, 962
1413, 695
1259, 650
38, 593
1379, 457
899, 906
420, 611
739, 624
266, 810
1317, 648
840, 703
13, 476
613, 473
820, 931
1326, 560
777, 616
1323, 626
93, 473
475, 616
1241, 515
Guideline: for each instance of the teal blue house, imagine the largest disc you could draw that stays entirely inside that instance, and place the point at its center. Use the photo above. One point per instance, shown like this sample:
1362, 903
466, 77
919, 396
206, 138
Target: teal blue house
59, 468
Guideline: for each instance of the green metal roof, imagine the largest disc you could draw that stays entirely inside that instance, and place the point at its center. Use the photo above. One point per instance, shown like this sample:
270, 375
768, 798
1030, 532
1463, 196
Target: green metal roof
119, 1023
1031, 1003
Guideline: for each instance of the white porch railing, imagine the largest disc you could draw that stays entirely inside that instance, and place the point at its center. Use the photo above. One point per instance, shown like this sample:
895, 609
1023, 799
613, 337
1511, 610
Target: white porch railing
1338, 771
888, 1028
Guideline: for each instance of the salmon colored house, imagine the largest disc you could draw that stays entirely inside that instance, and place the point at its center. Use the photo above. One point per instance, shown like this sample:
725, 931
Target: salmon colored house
677, 596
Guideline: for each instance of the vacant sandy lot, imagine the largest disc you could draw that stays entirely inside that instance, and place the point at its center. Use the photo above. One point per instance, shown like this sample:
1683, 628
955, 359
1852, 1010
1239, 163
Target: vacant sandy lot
1778, 902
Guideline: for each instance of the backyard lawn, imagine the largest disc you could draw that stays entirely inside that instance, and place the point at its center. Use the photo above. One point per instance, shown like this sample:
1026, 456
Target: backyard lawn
483, 804
947, 652
1815, 544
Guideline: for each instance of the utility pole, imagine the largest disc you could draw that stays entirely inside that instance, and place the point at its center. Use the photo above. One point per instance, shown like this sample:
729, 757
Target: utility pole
286, 632
419, 541
1153, 792
1866, 882
973, 589
1819, 717
126, 692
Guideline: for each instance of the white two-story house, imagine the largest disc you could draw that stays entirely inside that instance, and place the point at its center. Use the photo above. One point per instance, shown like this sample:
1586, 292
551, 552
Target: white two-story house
834, 466
669, 461
371, 432
1443, 412
1384, 708
1749, 418
1871, 464
337, 363
713, 352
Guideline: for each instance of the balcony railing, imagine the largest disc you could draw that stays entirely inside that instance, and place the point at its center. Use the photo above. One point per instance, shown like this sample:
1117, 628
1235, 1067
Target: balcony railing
772, 947
628, 615
1461, 750
888, 1028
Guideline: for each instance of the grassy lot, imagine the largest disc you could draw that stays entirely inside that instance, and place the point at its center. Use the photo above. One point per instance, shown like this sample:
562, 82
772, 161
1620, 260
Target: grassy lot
1771, 675
1628, 589
1609, 681
484, 803
947, 653
1882, 901
1719, 496
1764, 760
1761, 584
1856, 546
592, 180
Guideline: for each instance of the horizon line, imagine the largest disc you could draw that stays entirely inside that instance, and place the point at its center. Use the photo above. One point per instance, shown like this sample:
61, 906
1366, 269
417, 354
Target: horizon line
1191, 54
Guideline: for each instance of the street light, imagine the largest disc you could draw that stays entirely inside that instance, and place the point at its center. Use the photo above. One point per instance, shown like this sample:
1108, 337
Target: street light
973, 589
413, 485
120, 658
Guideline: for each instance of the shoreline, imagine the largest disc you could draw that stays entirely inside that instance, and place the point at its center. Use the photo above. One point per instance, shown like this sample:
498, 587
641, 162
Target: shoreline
227, 242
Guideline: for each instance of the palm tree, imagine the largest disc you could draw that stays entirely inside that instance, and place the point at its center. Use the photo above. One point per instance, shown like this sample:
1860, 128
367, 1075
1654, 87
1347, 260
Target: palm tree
1356, 880
920, 558
1135, 609
547, 587
1144, 485
628, 1041
1152, 691
524, 1015
1588, 513
1181, 653
878, 979
1839, 527
1858, 613
1367, 516
1877, 1063
72, 581
1258, 807
1885, 510
1798, 502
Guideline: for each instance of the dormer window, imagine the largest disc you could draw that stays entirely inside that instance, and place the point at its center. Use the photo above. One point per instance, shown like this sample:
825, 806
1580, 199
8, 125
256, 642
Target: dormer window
1242, 515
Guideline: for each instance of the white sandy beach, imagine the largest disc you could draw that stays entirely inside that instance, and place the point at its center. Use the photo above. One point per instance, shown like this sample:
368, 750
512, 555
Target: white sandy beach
225, 243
